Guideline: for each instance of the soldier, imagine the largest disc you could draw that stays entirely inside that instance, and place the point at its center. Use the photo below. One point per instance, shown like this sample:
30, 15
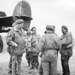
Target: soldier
28, 47
16, 42
66, 52
49, 46
35, 38
10, 61
40, 66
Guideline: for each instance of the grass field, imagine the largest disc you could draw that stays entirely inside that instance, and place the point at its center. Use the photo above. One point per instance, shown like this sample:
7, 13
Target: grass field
4, 61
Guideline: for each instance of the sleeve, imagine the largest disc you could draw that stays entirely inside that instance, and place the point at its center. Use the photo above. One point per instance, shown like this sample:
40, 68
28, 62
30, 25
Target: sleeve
67, 39
10, 36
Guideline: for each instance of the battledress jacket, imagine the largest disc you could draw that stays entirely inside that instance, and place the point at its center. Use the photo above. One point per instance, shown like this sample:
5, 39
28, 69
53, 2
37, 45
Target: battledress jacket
18, 38
66, 40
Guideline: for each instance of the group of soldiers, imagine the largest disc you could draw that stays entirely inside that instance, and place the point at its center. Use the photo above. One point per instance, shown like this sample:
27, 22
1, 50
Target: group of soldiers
27, 41
49, 45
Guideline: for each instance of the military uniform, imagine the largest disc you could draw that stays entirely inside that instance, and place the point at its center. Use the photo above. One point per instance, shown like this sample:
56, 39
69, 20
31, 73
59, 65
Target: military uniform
49, 45
29, 49
66, 53
16, 42
35, 38
40, 66
10, 62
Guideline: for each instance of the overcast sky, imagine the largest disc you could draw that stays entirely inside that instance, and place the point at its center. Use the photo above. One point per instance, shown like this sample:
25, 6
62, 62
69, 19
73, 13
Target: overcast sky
44, 12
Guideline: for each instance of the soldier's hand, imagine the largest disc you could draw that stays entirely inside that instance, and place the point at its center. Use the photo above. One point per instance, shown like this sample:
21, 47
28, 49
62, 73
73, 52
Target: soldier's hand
14, 44
40, 54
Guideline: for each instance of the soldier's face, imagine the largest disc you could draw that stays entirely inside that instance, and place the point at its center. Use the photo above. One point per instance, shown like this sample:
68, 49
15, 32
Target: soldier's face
20, 25
63, 31
34, 30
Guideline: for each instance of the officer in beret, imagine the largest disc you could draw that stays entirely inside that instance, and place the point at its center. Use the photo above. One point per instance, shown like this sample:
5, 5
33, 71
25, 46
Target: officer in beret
16, 42
49, 45
66, 52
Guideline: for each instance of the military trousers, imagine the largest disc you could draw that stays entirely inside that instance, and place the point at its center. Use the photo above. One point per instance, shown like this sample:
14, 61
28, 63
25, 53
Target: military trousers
35, 62
40, 69
10, 65
65, 64
16, 59
29, 57
49, 62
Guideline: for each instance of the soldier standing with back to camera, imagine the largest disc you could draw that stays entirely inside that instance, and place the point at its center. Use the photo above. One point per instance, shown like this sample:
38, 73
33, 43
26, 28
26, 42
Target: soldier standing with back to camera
66, 51
16, 41
49, 45
35, 38
40, 66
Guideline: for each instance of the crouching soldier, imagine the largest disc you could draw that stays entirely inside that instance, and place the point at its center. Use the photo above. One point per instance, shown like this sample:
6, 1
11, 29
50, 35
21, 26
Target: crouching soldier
49, 46
16, 41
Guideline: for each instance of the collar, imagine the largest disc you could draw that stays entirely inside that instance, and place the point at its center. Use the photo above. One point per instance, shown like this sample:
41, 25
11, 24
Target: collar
65, 34
14, 28
49, 32
28, 34
34, 34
